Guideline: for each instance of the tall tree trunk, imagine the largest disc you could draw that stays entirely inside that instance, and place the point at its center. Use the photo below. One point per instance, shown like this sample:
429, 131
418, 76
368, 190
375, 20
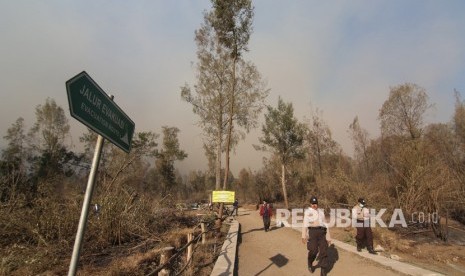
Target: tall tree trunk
367, 165
218, 221
226, 168
283, 183
230, 125
310, 162
318, 152
219, 142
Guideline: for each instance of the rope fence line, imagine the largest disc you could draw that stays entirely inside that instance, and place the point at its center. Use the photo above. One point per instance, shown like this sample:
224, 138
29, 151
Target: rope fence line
167, 257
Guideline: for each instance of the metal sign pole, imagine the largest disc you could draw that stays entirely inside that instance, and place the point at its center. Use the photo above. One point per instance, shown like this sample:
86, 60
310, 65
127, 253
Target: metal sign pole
85, 207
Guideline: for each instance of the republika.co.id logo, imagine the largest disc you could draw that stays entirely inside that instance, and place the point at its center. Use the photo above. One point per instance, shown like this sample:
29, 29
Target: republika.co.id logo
344, 218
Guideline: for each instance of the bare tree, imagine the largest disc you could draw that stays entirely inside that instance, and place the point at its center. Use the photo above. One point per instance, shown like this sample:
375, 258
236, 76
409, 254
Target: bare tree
402, 114
361, 141
459, 118
50, 155
320, 140
232, 21
244, 184
209, 98
229, 90
51, 127
13, 174
167, 155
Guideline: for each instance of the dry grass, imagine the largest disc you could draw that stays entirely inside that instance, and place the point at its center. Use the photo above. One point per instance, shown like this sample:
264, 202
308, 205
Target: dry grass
37, 237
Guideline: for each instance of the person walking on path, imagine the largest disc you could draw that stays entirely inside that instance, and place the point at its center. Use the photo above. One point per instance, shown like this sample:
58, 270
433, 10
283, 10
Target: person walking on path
364, 235
235, 207
266, 211
315, 234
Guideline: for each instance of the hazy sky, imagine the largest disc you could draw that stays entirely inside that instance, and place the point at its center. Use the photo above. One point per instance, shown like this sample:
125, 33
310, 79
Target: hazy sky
338, 56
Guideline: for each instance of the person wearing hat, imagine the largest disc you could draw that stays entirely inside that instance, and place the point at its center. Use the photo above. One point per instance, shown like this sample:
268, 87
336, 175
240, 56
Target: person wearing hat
315, 234
266, 211
364, 234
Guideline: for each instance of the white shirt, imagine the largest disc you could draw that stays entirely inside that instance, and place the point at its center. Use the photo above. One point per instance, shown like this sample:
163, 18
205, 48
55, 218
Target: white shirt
314, 218
360, 213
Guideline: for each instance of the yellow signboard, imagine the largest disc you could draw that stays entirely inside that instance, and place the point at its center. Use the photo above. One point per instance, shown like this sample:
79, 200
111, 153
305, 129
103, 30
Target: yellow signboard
223, 196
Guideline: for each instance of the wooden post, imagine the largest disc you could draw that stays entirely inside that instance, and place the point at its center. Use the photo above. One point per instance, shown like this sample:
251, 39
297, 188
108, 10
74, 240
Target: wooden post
202, 226
189, 248
218, 227
166, 254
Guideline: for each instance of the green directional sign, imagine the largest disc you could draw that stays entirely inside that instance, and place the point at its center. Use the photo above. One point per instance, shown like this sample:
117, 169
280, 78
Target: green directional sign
90, 105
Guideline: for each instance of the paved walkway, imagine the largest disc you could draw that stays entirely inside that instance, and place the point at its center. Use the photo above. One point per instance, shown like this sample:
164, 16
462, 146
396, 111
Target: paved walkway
280, 252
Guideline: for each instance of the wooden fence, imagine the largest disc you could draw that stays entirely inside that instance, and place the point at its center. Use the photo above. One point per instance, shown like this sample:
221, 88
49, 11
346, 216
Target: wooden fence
169, 254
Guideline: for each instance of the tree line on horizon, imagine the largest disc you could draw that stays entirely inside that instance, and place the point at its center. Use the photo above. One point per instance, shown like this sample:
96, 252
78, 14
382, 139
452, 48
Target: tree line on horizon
412, 165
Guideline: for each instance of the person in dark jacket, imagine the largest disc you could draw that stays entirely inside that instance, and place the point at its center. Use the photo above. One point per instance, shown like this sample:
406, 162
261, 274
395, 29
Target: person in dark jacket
235, 207
266, 211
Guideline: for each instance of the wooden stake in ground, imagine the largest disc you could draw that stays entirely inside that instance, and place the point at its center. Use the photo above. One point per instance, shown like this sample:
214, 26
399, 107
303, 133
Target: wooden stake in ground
166, 254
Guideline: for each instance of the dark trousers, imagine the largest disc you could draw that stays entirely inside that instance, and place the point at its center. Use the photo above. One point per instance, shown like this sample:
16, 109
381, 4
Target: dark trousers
266, 222
234, 210
317, 244
364, 236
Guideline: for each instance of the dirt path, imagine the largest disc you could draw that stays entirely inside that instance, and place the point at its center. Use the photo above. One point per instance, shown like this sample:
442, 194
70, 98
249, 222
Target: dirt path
281, 252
